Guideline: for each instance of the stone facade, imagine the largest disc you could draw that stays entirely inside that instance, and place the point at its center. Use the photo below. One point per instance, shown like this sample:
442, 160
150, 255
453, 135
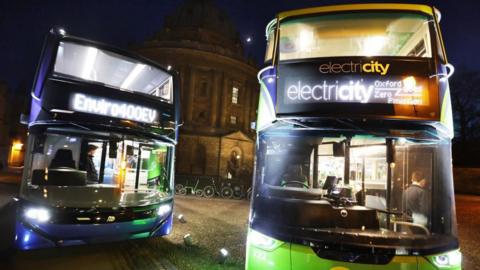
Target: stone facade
13, 135
218, 89
4, 138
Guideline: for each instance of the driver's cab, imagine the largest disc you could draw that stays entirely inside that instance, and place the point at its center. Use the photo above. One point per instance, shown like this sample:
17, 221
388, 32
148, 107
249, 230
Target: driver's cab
62, 158
352, 170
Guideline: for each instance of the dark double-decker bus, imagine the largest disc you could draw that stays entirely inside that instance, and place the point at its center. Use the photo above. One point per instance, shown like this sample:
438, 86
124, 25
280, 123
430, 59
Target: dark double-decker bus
99, 163
353, 164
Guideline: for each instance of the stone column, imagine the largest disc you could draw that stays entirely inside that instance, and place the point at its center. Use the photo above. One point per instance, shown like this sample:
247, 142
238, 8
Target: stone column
216, 86
190, 95
246, 107
225, 104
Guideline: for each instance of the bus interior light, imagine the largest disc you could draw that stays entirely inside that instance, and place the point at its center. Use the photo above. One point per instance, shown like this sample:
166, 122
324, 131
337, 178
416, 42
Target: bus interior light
305, 41
373, 45
89, 63
132, 76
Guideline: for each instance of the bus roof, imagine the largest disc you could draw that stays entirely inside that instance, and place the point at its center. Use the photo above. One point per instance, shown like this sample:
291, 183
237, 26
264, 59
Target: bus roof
355, 7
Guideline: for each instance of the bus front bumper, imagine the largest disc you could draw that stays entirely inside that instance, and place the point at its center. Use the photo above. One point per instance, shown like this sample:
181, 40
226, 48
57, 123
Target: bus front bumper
33, 236
265, 253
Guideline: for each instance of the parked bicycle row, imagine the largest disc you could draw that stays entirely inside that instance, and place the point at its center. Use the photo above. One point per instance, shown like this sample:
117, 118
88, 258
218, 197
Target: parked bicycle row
209, 187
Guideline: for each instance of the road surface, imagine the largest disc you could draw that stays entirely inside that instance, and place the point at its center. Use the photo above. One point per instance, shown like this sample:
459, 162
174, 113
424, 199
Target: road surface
213, 223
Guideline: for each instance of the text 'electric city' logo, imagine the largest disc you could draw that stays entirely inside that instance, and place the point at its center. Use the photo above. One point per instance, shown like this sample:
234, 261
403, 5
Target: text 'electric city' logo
354, 67
404, 91
102, 106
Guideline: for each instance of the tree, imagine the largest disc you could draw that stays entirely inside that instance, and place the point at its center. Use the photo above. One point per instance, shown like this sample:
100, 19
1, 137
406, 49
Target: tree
465, 92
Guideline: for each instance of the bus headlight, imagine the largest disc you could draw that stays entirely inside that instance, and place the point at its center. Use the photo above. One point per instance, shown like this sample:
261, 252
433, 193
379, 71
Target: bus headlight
164, 209
447, 260
263, 241
37, 214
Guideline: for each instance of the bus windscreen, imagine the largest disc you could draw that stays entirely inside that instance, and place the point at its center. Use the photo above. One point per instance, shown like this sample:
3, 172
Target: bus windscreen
355, 34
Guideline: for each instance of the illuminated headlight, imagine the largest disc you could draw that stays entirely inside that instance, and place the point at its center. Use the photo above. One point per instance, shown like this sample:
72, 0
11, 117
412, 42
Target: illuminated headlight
262, 241
449, 259
37, 214
164, 209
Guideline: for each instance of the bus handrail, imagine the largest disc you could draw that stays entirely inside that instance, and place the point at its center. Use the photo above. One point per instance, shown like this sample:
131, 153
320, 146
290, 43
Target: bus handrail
427, 231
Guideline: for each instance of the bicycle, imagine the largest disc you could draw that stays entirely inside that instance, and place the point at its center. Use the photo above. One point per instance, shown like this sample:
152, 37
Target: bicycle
225, 190
187, 189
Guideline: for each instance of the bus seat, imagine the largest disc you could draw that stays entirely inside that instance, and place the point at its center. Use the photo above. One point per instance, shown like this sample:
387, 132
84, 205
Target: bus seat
63, 158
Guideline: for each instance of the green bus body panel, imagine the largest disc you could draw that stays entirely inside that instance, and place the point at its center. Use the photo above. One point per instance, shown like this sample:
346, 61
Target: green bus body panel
304, 258
299, 257
278, 259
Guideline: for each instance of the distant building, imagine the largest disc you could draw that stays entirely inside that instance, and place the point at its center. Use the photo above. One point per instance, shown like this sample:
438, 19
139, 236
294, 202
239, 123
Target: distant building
12, 134
4, 138
219, 90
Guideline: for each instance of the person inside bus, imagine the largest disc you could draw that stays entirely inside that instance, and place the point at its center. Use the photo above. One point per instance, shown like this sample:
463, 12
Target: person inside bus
92, 174
416, 198
294, 177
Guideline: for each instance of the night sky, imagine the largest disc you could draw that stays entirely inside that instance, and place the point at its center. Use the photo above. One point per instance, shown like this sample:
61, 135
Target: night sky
23, 25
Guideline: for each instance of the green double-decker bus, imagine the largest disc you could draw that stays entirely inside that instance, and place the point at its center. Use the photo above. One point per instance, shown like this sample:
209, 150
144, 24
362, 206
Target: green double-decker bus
353, 165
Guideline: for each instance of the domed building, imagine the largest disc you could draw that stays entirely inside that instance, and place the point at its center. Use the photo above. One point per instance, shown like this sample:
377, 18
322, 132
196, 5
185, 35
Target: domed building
219, 90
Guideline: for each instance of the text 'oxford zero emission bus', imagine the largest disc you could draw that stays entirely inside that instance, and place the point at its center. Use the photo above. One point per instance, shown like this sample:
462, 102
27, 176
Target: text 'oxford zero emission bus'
100, 158
353, 166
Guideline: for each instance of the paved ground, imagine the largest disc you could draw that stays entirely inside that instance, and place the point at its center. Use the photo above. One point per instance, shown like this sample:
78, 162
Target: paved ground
213, 224
468, 218
12, 177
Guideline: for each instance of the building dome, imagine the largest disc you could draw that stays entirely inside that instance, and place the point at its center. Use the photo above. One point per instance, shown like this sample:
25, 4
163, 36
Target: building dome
218, 89
200, 24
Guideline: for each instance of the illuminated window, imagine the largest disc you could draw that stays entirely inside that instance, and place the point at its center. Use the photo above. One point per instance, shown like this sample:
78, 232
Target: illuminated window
233, 120
234, 95
96, 65
358, 34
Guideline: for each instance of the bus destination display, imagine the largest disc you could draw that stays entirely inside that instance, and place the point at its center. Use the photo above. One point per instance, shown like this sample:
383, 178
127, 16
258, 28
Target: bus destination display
369, 81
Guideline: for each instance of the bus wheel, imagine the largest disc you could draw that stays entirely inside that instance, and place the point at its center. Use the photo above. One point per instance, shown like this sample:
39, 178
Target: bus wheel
227, 192
199, 193
208, 191
182, 191
237, 192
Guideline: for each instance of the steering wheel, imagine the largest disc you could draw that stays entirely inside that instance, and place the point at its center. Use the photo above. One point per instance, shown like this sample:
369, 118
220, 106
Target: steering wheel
285, 183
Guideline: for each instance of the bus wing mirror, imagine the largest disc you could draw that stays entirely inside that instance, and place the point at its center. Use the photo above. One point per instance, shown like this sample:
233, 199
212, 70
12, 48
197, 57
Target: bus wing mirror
112, 149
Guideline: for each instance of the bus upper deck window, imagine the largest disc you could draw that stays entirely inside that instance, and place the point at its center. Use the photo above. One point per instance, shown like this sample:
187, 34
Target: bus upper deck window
365, 34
